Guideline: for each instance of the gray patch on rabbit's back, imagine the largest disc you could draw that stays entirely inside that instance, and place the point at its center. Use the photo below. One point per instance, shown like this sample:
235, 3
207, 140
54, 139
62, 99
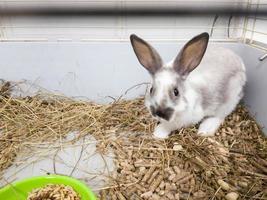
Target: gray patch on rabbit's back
221, 95
210, 97
206, 100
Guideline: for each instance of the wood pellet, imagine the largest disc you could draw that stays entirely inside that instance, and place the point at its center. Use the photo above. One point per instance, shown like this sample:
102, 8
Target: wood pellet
54, 192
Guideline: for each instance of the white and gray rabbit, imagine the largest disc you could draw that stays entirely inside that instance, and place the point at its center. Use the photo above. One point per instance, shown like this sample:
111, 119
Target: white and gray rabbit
200, 85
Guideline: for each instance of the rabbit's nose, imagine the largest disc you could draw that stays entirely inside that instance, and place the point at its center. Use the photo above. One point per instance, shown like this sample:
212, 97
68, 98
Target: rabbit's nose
153, 110
164, 113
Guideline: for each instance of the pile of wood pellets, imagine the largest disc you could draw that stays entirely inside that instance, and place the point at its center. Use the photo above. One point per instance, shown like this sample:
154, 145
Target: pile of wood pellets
54, 192
232, 165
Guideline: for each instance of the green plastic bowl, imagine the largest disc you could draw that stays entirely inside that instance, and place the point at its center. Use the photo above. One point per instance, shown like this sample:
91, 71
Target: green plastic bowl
19, 190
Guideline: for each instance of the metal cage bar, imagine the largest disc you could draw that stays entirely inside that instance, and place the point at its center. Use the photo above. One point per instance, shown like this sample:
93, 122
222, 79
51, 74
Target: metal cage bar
249, 30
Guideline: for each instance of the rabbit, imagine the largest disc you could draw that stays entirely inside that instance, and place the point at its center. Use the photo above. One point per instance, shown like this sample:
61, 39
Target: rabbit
200, 85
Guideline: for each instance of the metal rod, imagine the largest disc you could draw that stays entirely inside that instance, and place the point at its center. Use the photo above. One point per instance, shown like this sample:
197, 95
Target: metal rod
107, 40
229, 24
79, 7
254, 22
246, 21
260, 18
263, 57
259, 32
112, 27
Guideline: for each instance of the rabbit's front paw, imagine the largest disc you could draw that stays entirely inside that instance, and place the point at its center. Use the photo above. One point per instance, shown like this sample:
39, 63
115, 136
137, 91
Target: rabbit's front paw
161, 132
209, 126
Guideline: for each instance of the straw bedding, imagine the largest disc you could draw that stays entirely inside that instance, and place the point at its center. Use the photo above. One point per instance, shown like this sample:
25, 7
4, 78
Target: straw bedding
231, 165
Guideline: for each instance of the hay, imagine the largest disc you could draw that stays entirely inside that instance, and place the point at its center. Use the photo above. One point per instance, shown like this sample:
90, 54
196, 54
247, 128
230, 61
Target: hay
185, 166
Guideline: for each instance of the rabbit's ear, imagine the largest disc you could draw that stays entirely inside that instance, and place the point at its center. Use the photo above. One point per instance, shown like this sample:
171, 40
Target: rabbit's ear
191, 54
146, 54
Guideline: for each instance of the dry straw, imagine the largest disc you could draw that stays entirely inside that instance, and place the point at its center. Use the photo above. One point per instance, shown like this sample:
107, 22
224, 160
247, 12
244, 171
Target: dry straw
233, 164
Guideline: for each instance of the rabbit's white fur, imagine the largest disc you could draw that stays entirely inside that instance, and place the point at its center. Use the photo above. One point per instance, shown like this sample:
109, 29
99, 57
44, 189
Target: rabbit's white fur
199, 84
220, 70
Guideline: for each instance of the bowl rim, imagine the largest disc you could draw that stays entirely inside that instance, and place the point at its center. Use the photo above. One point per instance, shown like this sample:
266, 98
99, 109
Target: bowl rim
75, 181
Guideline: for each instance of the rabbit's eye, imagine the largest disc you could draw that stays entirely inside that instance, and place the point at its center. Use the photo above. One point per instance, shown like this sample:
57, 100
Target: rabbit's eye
151, 90
175, 92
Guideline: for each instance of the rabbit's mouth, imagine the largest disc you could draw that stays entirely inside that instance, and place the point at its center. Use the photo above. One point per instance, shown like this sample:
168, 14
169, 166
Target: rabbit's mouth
162, 113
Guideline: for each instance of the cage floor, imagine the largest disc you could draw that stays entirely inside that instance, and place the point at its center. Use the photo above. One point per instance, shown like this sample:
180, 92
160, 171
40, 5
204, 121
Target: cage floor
110, 147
